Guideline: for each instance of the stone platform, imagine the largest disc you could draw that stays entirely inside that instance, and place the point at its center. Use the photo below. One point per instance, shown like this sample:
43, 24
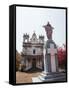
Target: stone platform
50, 77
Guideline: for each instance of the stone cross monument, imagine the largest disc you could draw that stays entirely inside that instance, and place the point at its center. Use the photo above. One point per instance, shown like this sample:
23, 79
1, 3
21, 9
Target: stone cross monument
51, 60
51, 71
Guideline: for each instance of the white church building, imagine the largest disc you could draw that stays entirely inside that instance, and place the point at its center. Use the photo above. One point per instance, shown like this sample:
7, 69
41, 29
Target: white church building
32, 52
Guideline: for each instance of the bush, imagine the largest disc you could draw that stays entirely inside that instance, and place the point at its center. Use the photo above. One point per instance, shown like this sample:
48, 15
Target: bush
62, 57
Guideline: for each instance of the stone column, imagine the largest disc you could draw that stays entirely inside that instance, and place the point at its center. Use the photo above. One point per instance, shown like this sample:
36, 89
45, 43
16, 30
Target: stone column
45, 61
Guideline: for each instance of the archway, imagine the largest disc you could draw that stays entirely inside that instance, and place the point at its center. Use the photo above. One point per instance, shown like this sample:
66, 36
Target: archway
34, 63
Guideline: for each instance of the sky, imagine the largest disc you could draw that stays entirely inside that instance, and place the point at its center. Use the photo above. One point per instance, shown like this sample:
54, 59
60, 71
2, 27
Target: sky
30, 20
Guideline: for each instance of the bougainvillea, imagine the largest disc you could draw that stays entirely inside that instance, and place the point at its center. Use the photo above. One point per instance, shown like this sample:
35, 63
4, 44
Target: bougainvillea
62, 56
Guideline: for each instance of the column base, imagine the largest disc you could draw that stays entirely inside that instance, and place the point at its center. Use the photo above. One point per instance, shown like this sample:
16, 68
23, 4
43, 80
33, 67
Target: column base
50, 77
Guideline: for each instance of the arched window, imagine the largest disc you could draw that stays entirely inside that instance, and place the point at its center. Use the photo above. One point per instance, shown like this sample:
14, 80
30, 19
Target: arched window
34, 51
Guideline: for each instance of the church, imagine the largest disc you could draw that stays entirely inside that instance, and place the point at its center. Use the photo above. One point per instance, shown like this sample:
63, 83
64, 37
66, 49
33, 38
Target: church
32, 52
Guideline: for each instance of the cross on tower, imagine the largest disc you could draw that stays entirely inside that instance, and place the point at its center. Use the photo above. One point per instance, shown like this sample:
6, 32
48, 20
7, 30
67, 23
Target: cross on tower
52, 51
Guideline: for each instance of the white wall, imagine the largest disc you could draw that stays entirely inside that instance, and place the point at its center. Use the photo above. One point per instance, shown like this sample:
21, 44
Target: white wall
29, 51
4, 44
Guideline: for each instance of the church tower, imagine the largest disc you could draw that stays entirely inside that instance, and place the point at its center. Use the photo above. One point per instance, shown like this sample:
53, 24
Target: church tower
41, 39
26, 38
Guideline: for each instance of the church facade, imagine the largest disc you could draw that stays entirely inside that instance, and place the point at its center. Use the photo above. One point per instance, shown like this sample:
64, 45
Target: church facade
32, 52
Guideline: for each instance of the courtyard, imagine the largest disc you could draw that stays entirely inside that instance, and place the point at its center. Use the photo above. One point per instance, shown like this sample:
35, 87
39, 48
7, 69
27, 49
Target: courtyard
26, 77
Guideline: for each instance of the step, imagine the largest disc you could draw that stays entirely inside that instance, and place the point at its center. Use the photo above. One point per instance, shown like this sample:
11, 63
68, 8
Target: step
53, 79
41, 78
56, 79
53, 75
36, 80
42, 74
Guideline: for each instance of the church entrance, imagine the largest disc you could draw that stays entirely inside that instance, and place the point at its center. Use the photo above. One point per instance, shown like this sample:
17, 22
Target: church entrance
34, 63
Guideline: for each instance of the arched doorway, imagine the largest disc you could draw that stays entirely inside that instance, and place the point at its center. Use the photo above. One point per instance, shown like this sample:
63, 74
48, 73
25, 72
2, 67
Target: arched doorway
34, 63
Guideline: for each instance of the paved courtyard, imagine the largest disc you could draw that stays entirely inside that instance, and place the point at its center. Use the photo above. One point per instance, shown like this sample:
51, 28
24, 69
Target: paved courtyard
25, 77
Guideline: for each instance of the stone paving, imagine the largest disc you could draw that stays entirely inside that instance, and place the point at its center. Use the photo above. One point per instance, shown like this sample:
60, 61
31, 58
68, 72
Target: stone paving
26, 77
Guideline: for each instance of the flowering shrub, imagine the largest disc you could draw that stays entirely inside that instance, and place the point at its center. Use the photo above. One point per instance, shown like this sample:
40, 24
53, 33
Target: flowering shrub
62, 56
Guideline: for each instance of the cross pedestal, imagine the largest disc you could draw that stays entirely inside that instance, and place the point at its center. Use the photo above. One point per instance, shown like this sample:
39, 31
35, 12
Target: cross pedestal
52, 51
50, 73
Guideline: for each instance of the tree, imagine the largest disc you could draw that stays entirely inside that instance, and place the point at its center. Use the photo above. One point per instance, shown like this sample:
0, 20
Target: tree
18, 59
62, 56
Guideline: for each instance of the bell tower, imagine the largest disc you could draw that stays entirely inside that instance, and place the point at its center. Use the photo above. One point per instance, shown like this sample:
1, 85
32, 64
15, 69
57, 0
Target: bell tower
41, 39
26, 38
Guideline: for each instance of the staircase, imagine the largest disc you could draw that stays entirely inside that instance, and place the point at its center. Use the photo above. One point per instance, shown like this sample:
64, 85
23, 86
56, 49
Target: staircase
58, 76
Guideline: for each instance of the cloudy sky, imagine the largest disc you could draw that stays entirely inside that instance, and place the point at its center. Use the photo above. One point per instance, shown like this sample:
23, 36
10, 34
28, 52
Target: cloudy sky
30, 19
